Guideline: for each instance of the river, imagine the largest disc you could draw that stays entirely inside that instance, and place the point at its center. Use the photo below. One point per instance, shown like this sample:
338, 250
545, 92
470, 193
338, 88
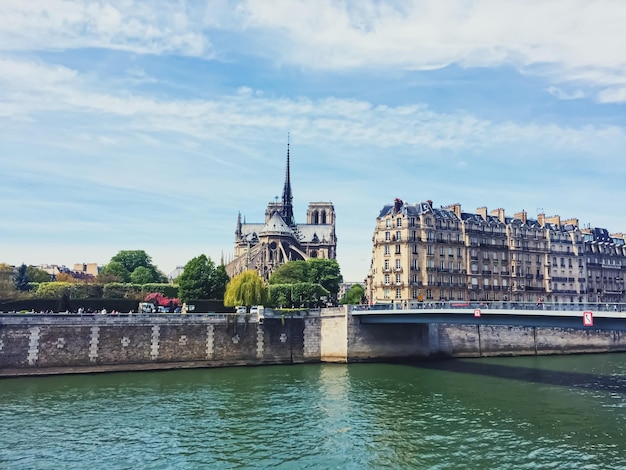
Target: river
558, 412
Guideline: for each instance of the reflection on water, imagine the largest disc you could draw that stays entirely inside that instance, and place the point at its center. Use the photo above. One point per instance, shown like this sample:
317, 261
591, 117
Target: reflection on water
550, 412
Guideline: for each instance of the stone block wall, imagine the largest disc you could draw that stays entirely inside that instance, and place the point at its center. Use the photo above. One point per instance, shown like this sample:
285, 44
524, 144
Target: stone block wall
34, 344
493, 340
368, 342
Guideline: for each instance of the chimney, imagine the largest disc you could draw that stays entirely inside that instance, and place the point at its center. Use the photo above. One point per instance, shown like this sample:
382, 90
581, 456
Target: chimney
430, 203
541, 218
555, 219
521, 216
482, 211
499, 213
456, 208
573, 222
397, 205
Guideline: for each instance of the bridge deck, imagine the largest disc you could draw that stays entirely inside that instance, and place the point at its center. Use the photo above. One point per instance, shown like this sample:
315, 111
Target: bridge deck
583, 319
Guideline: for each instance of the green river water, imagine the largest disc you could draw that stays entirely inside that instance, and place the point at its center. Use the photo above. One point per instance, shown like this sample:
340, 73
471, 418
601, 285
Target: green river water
562, 412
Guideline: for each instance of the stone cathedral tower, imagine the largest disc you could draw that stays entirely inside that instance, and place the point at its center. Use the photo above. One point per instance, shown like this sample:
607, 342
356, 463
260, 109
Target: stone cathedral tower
265, 246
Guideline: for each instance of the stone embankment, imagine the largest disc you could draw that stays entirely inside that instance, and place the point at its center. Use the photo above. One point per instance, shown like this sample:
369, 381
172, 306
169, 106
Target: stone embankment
53, 344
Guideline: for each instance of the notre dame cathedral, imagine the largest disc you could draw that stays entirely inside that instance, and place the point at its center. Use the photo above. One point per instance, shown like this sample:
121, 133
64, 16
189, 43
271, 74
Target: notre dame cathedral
265, 246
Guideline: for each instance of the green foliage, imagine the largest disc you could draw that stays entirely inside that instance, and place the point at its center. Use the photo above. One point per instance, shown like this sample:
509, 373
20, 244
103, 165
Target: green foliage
37, 275
325, 272
247, 288
21, 279
355, 295
53, 290
280, 295
290, 273
117, 270
141, 275
132, 260
202, 280
296, 295
166, 289
119, 290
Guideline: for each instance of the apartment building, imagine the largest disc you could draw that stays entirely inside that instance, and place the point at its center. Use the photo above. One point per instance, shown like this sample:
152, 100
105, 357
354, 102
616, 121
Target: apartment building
422, 253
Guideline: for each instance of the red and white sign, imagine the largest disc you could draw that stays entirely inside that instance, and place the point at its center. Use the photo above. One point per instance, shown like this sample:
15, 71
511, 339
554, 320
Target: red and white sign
587, 318
477, 313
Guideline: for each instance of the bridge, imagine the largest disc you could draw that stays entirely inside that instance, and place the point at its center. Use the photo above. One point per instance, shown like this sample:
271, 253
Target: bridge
578, 316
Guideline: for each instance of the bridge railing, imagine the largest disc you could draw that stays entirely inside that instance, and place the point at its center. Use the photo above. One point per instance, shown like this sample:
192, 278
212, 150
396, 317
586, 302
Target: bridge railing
503, 305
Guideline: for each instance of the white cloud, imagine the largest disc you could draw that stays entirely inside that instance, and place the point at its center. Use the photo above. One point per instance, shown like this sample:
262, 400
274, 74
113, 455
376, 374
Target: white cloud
612, 95
567, 40
561, 94
32, 88
142, 27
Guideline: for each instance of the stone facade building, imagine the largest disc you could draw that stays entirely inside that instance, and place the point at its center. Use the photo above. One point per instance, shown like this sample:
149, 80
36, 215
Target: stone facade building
266, 245
426, 254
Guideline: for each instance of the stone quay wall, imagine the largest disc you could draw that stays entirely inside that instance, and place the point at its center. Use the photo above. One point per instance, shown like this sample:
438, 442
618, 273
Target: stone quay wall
56, 344
490, 340
49, 344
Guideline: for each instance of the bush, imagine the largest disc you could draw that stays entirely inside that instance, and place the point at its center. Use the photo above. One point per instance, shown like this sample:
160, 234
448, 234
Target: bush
53, 290
166, 289
119, 290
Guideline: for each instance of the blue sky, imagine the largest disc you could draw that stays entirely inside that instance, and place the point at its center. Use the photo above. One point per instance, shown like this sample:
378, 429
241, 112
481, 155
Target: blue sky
150, 124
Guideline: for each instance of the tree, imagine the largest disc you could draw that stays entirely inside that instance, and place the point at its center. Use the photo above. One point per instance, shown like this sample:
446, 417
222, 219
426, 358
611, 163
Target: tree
7, 286
202, 280
134, 259
21, 279
141, 275
355, 295
117, 270
37, 275
315, 271
290, 273
65, 277
247, 288
325, 272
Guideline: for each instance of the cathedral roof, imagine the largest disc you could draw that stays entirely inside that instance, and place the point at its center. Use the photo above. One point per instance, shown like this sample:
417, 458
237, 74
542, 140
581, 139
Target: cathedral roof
276, 226
309, 233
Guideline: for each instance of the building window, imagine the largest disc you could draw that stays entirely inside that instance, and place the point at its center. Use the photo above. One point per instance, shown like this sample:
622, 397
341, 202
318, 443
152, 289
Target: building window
398, 264
398, 235
399, 222
386, 279
388, 223
387, 250
387, 236
398, 293
429, 294
387, 293
397, 249
414, 249
442, 251
430, 250
386, 265
398, 280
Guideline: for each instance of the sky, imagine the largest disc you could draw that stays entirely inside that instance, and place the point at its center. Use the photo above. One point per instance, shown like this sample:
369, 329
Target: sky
149, 125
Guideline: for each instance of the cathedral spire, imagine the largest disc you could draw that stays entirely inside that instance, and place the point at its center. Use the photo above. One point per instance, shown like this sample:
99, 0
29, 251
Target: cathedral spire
287, 209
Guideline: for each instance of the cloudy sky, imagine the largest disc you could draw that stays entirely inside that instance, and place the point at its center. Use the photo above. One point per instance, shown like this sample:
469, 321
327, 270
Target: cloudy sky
151, 124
